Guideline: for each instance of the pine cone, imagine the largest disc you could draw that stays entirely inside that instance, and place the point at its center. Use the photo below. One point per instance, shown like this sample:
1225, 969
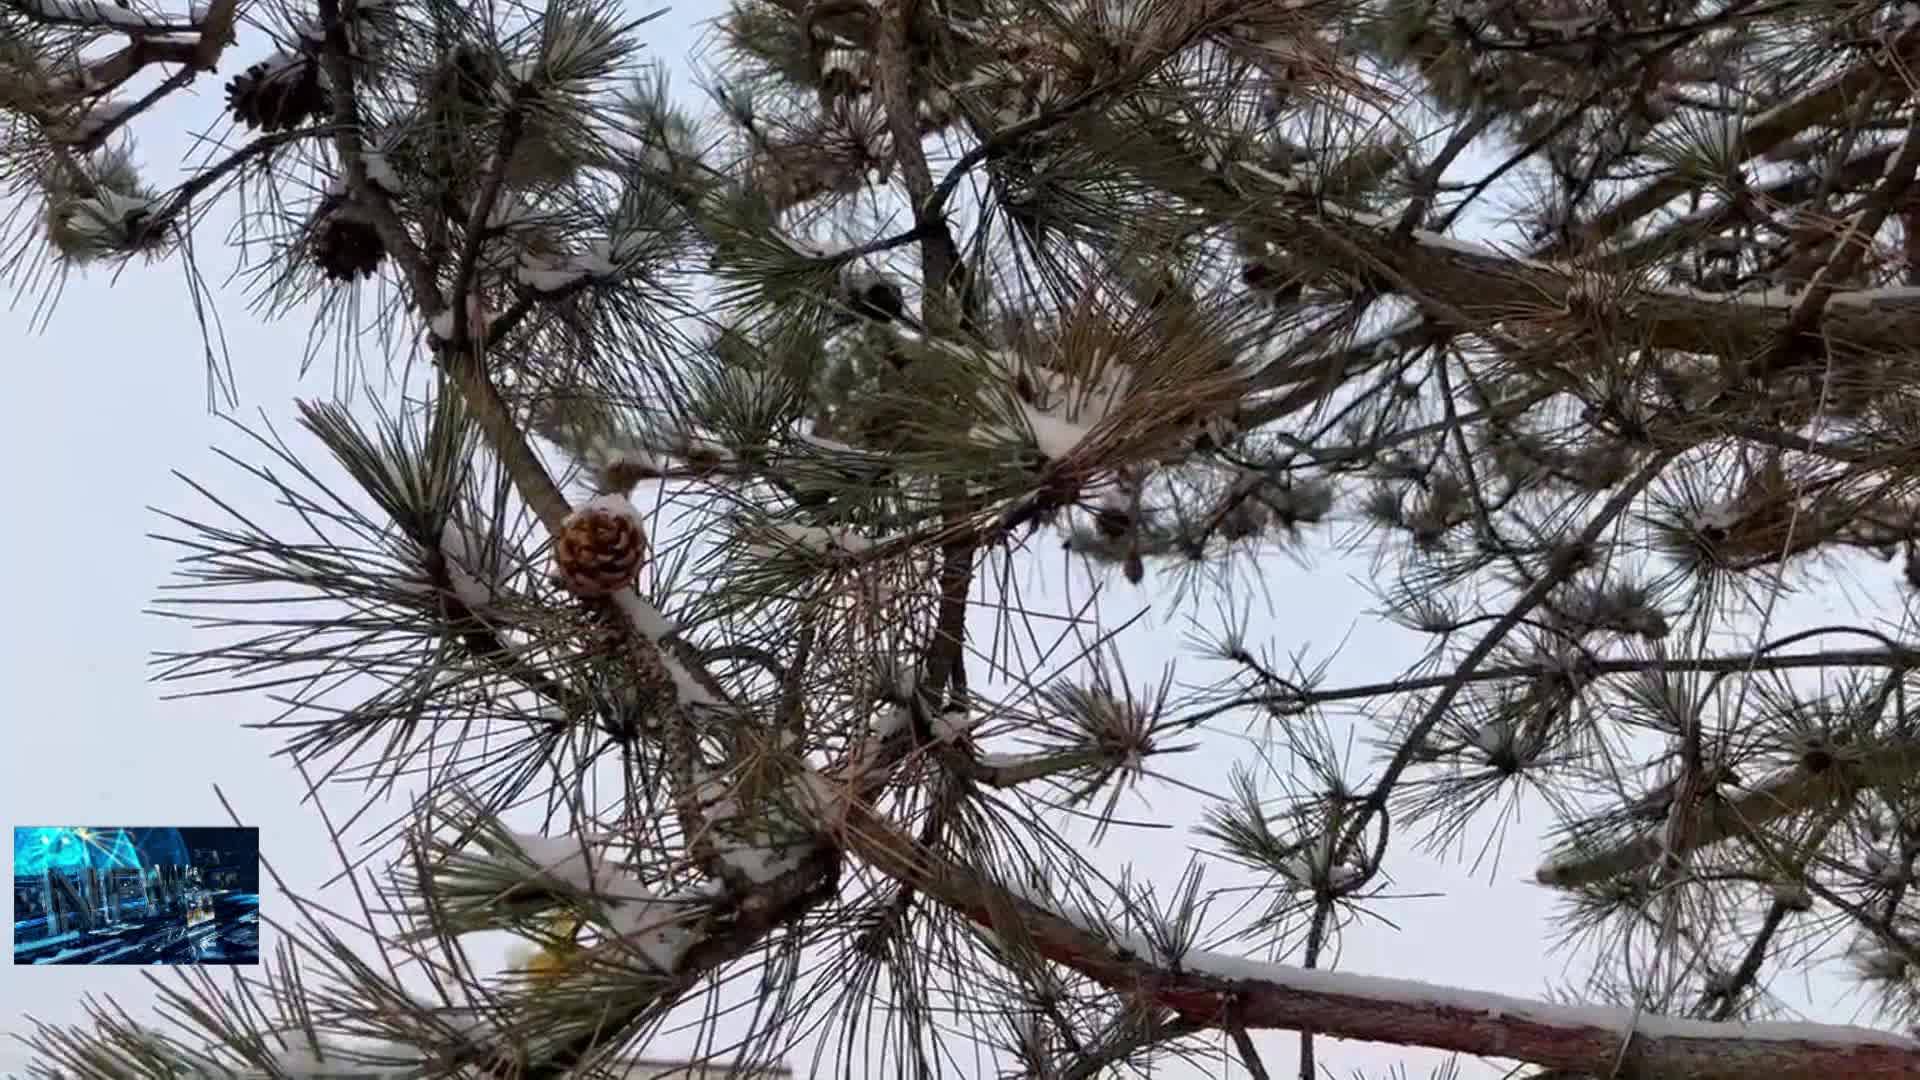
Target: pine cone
279, 94
467, 76
346, 245
1264, 277
600, 547
878, 300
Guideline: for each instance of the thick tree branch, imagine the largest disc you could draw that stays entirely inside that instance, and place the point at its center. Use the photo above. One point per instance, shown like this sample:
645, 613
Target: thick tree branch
1222, 991
103, 17
1758, 138
1491, 288
1852, 245
938, 253
1876, 75
150, 43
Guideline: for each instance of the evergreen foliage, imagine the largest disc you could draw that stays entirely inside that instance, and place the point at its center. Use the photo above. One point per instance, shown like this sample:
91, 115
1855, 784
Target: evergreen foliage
1585, 320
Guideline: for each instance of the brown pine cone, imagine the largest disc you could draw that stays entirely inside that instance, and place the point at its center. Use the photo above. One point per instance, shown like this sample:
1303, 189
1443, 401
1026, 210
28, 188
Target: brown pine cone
344, 243
278, 95
600, 547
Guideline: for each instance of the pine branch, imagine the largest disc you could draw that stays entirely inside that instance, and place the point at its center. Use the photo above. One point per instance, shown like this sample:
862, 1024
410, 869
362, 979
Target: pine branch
1893, 657
1479, 287
1677, 235
1486, 287
1093, 1061
1860, 83
1725, 997
654, 646
1436, 710
1502, 436
196, 47
1851, 245
1221, 991
95, 15
938, 253
1877, 76
1792, 792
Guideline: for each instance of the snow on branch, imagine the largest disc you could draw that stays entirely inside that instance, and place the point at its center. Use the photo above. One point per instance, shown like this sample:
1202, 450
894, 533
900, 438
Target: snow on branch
1561, 1036
568, 861
1216, 988
107, 221
758, 840
473, 578
700, 453
97, 120
466, 1018
479, 318
96, 13
330, 1060
1053, 411
688, 690
786, 538
661, 928
646, 619
955, 721
603, 261
619, 466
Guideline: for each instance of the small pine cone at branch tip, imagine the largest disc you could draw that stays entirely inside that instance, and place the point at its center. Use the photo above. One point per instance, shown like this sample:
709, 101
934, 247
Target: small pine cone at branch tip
600, 547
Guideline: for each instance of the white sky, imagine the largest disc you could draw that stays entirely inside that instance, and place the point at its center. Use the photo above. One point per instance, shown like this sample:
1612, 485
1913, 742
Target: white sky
111, 398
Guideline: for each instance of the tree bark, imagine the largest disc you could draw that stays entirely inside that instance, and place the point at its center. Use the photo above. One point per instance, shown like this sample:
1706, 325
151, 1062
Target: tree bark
1224, 991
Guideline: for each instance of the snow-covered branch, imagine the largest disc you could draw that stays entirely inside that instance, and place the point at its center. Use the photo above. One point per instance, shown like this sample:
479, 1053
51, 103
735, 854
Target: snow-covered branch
1217, 989
101, 14
603, 261
786, 538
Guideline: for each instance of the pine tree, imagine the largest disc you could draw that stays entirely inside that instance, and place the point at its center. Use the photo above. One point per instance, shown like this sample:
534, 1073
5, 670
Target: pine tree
749, 411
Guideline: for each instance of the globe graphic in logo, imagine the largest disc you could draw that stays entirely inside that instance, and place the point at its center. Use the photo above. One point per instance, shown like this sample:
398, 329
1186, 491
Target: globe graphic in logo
36, 851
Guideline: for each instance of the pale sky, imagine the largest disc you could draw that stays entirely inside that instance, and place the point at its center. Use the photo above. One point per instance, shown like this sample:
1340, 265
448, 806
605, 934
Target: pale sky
111, 398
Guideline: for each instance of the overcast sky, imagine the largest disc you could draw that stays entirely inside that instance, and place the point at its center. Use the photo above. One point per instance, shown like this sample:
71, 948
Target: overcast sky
111, 397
